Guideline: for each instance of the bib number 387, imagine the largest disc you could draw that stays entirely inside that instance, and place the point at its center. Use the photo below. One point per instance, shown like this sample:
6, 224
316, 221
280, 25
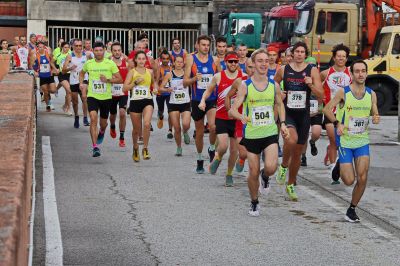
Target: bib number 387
357, 125
262, 116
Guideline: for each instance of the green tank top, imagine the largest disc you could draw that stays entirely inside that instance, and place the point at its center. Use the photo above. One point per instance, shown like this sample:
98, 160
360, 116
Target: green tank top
259, 107
355, 118
61, 59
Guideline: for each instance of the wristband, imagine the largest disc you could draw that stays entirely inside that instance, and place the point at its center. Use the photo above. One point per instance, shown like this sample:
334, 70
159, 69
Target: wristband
283, 122
335, 123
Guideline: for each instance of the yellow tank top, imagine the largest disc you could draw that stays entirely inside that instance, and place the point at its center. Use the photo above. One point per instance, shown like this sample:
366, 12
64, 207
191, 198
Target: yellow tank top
142, 90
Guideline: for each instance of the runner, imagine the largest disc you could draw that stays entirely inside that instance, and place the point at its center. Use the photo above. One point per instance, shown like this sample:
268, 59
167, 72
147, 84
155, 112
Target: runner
32, 42
102, 74
57, 50
73, 64
242, 53
163, 96
119, 98
88, 48
179, 103
140, 80
272, 65
44, 69
225, 126
239, 126
199, 70
21, 54
336, 77
63, 77
260, 133
6, 50
177, 50
299, 80
108, 53
359, 103
221, 51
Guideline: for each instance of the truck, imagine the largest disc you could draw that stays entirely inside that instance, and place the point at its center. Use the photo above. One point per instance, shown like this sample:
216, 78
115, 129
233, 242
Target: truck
358, 26
279, 26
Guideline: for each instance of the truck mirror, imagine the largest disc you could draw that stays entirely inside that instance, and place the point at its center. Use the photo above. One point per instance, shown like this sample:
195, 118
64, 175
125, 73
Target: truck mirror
321, 22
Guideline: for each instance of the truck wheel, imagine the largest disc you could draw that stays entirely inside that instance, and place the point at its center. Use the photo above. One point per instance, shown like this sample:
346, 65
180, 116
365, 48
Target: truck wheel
383, 94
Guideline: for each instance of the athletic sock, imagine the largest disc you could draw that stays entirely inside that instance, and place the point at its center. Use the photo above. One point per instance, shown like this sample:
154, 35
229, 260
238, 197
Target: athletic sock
216, 157
199, 156
212, 147
352, 206
101, 131
95, 145
121, 135
229, 171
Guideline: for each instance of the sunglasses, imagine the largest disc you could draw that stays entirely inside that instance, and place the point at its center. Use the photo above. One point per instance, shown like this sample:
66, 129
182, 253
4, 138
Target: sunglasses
232, 61
78, 45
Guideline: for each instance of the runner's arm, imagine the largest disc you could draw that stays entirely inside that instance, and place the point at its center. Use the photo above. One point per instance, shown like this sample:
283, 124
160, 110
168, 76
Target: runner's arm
155, 85
187, 80
281, 112
240, 97
328, 109
164, 82
65, 68
214, 81
129, 82
316, 85
232, 92
374, 109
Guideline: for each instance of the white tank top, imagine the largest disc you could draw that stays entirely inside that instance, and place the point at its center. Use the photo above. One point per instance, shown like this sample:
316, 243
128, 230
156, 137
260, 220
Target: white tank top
79, 62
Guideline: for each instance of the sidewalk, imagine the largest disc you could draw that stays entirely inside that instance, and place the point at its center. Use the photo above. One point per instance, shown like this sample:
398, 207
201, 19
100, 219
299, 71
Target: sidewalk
382, 195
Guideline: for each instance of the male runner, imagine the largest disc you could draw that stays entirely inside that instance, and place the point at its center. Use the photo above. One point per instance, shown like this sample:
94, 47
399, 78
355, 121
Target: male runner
242, 53
21, 54
73, 64
359, 103
119, 98
299, 80
177, 50
102, 74
336, 77
199, 70
221, 51
260, 133
225, 126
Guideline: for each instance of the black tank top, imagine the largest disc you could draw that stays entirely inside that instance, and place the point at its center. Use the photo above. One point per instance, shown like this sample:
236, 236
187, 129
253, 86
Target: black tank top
296, 88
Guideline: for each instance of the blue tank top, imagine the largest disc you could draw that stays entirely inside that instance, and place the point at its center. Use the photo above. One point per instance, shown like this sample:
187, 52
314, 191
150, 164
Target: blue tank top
271, 75
243, 67
207, 70
43, 67
223, 65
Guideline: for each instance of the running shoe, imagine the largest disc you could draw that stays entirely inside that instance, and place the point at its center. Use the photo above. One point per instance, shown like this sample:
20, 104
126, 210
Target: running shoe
254, 210
160, 122
136, 155
86, 122
151, 127
265, 187
281, 176
239, 165
113, 133
96, 152
326, 158
229, 181
303, 160
100, 138
146, 154
52, 106
140, 140
170, 135
76, 122
211, 154
351, 215
314, 150
122, 143
186, 138
335, 173
280, 153
200, 167
212, 168
48, 108
178, 151
290, 189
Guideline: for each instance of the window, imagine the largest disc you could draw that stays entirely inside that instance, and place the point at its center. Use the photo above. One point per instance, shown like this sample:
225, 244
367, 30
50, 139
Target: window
396, 45
244, 26
336, 22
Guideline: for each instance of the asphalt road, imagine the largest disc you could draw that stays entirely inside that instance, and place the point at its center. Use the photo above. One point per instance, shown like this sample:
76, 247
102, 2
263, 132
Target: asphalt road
113, 211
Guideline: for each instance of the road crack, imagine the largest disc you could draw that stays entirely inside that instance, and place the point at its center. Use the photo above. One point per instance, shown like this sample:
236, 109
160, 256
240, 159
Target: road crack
138, 229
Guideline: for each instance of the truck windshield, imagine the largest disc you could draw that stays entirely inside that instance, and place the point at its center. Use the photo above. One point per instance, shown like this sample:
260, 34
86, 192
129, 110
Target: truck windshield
305, 22
382, 44
278, 30
223, 26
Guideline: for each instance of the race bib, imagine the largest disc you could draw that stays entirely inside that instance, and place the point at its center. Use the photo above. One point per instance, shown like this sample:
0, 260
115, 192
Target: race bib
313, 107
74, 77
357, 125
141, 92
205, 80
179, 95
98, 87
44, 68
116, 89
296, 99
262, 116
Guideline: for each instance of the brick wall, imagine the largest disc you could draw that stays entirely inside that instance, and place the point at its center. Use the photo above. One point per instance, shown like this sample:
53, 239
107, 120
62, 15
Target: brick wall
16, 145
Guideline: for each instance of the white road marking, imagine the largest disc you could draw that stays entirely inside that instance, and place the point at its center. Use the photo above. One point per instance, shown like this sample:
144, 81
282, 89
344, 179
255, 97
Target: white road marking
54, 249
380, 231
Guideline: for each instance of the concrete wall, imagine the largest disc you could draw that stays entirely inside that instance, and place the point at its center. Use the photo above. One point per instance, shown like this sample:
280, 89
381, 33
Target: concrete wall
40, 10
17, 120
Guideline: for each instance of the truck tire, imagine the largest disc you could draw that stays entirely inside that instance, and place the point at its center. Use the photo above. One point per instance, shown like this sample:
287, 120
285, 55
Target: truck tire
383, 94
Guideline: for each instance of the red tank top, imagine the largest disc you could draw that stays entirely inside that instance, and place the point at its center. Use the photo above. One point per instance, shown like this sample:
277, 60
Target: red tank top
146, 65
335, 80
123, 70
223, 89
